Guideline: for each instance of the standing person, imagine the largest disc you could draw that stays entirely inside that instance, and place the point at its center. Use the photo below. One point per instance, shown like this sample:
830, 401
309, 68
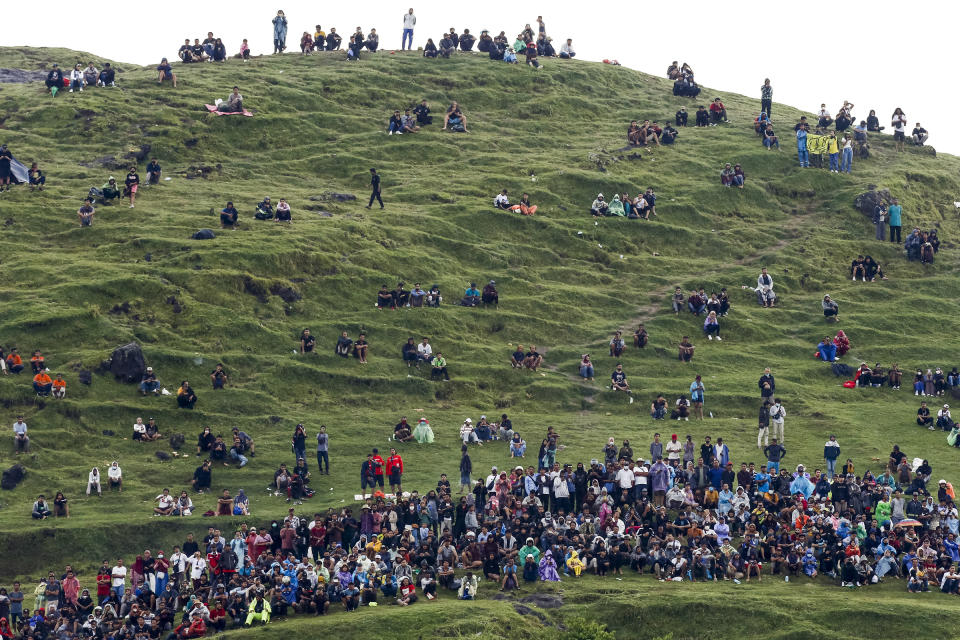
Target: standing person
5, 159
374, 188
777, 414
409, 21
803, 155
847, 159
279, 32
831, 450
323, 446
696, 397
395, 472
132, 183
763, 426
893, 220
833, 150
766, 97
880, 220
466, 468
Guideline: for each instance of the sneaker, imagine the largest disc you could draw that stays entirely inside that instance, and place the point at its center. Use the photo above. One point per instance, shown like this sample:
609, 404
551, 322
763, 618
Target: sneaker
735, 581
71, 90
131, 206
931, 428
390, 133
719, 339
854, 278
709, 337
81, 89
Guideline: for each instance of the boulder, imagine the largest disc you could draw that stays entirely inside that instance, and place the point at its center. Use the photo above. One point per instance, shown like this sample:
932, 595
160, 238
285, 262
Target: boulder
21, 76
204, 234
13, 476
163, 456
327, 196
126, 363
85, 377
867, 202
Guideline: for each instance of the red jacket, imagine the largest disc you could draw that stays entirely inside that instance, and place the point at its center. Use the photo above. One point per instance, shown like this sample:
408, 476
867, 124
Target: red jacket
394, 462
378, 465
716, 106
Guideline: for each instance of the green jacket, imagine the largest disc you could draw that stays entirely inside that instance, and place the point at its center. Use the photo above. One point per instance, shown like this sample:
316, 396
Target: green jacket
615, 208
439, 362
527, 550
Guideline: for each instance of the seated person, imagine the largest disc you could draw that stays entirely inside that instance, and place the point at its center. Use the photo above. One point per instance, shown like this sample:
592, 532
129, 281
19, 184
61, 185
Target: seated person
823, 117
485, 43
873, 122
36, 177
599, 206
702, 116
219, 51
924, 419
446, 46
385, 298
524, 207
681, 409
402, 431
615, 208
633, 133
872, 269
681, 117
333, 40
306, 43
395, 124
37, 362
408, 124
517, 357
42, 383
842, 342
490, 295
154, 171
373, 40
85, 213
726, 175
669, 135
533, 359
567, 51
501, 201
864, 375
761, 122
685, 350
471, 297
827, 350
857, 268
111, 190
739, 177
454, 119
401, 297
229, 216
617, 345
185, 52
90, 75
433, 296
283, 211
919, 135
658, 408
430, 49
59, 387
718, 113
186, 398
233, 103
770, 140
344, 343
843, 121
673, 71
264, 210
830, 308
360, 348
422, 111
165, 72
409, 352
618, 380
466, 41
417, 296
696, 303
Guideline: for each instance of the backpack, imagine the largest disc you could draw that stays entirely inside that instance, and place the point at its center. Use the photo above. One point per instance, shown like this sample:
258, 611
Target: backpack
842, 370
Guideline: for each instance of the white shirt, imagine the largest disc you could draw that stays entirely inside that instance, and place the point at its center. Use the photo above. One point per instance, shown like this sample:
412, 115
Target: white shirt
119, 576
424, 349
625, 478
409, 20
177, 562
166, 501
566, 48
197, 566
114, 472
501, 199
93, 477
640, 480
139, 427
674, 449
761, 284
777, 410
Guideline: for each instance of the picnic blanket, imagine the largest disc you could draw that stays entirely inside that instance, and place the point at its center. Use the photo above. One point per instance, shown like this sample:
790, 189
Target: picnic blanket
213, 109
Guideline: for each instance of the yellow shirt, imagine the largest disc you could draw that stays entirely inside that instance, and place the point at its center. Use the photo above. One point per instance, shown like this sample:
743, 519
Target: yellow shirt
832, 146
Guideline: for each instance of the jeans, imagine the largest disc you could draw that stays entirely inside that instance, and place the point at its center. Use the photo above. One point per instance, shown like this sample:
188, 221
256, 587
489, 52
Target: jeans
394, 127
147, 387
299, 453
831, 464
586, 371
407, 33
847, 160
773, 467
834, 162
324, 457
236, 455
738, 180
208, 49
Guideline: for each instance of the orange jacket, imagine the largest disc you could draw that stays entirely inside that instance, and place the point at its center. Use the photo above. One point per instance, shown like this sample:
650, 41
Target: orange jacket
42, 378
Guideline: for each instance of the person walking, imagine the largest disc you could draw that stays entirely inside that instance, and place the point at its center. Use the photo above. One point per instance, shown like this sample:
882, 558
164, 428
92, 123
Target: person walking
409, 21
766, 97
375, 187
893, 220
279, 32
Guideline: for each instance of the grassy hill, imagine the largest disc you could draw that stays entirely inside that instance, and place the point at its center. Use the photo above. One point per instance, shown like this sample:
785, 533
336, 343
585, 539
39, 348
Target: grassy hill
565, 283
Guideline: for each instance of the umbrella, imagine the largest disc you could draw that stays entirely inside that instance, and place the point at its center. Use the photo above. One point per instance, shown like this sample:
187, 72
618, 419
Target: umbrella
909, 522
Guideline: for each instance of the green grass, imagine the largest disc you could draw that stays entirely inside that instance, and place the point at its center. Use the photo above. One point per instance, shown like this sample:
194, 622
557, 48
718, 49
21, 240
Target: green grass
319, 126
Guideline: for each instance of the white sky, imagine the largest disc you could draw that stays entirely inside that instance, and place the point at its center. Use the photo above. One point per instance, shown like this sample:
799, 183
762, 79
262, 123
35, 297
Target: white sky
878, 54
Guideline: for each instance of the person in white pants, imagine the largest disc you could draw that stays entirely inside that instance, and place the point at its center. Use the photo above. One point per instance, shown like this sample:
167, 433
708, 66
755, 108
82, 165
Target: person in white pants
93, 481
777, 414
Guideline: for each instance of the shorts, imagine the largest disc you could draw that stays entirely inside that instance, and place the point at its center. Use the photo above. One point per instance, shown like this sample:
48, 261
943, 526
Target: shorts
395, 477
367, 481
379, 480
898, 136
132, 188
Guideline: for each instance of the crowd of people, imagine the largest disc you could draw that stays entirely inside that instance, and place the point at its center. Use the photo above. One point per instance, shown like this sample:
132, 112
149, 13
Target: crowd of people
642, 207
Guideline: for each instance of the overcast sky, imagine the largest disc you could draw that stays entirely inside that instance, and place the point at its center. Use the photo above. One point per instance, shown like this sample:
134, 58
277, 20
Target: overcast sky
876, 54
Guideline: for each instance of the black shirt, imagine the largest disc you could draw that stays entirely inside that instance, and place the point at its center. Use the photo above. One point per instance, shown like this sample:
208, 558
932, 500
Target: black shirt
375, 182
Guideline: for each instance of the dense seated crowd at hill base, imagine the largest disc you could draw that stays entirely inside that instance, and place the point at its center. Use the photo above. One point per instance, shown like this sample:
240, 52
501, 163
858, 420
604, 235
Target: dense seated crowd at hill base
675, 511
